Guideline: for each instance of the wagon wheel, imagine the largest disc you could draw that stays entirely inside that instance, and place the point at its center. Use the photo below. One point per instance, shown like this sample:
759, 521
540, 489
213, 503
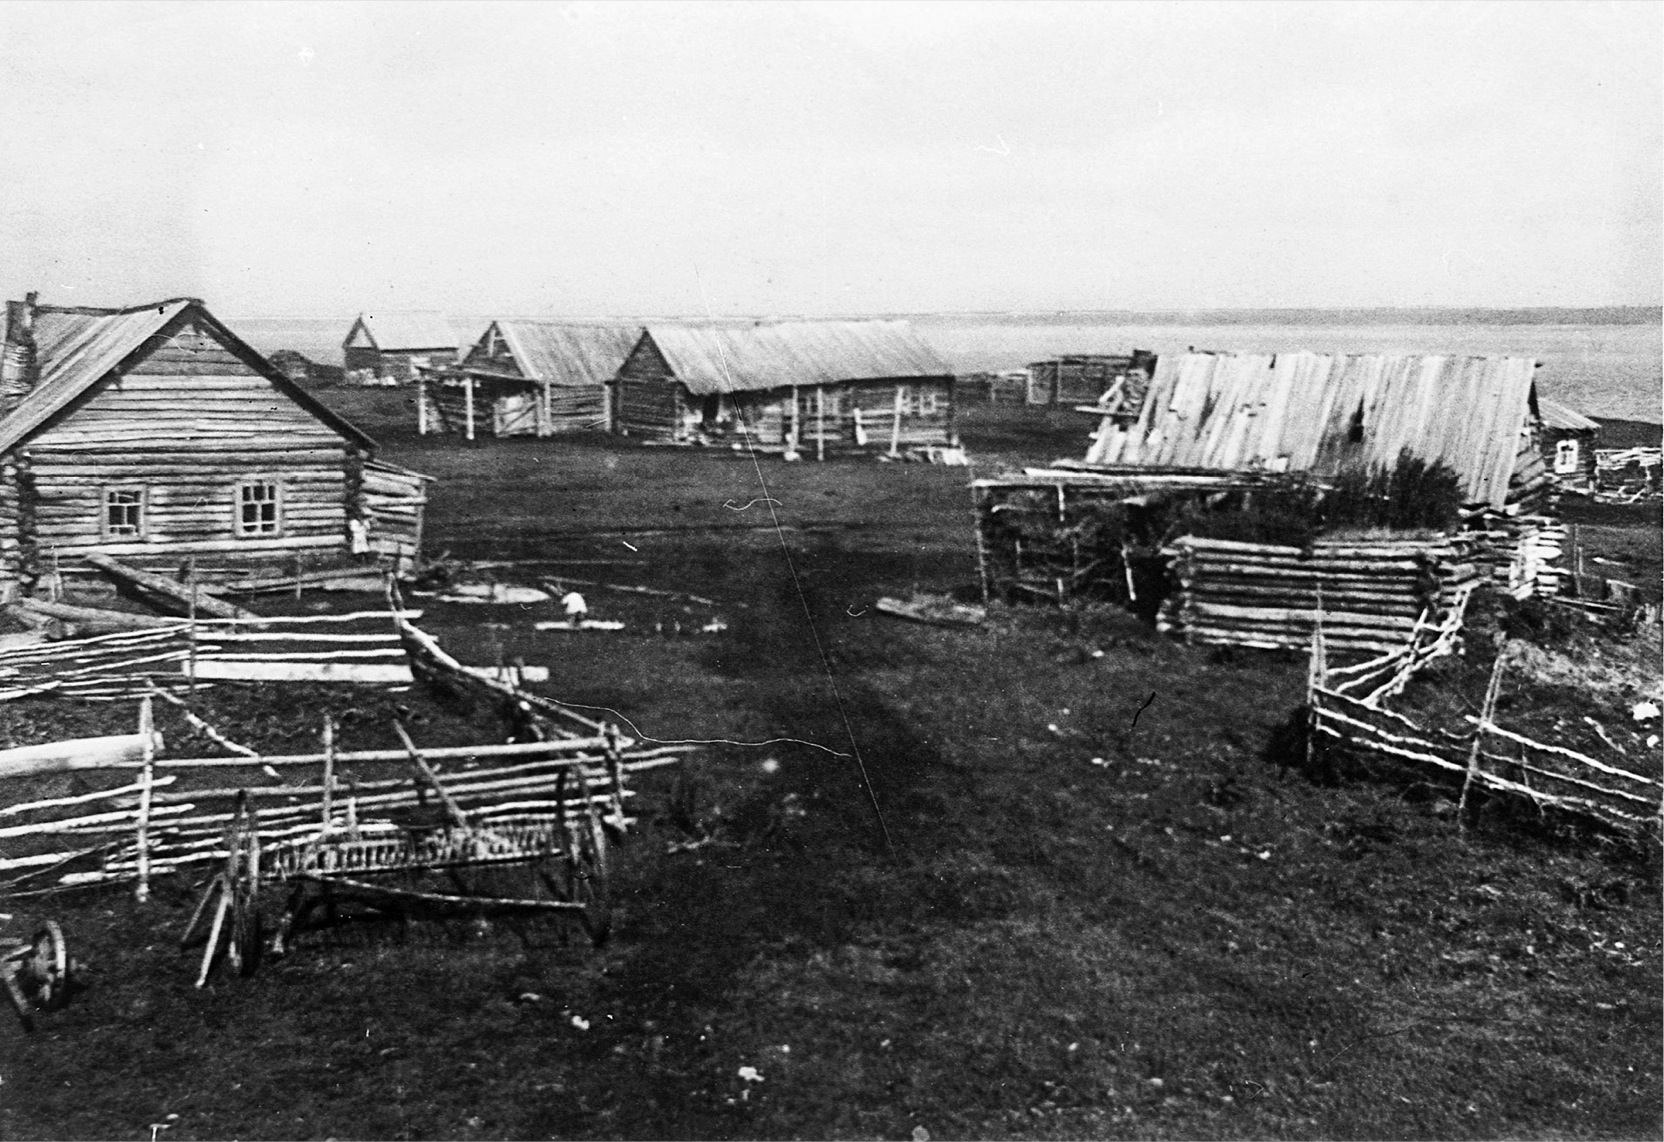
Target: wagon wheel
586, 877
47, 968
242, 878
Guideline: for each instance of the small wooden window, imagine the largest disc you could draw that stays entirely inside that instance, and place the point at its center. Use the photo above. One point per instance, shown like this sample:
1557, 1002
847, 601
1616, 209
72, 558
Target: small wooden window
124, 512
1565, 456
259, 508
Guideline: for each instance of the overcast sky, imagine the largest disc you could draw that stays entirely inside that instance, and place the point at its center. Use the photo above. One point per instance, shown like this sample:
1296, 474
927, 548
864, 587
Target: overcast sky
319, 159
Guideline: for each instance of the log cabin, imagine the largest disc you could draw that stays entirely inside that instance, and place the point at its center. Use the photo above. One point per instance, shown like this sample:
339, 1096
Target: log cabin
156, 436
388, 348
1569, 441
829, 386
527, 378
1082, 377
1323, 413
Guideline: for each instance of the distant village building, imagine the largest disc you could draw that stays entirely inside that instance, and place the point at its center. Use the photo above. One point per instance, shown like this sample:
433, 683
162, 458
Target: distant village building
527, 378
155, 435
1323, 413
387, 349
1569, 441
1083, 378
821, 386
298, 367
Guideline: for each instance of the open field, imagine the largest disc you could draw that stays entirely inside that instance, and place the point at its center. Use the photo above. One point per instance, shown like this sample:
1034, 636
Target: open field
1110, 905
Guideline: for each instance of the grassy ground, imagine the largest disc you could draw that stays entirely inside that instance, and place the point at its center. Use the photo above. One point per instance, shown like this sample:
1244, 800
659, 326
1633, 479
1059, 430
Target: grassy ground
1110, 904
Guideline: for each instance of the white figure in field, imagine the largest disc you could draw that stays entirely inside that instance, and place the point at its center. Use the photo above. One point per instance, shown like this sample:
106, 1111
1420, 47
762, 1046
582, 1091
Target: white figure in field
574, 605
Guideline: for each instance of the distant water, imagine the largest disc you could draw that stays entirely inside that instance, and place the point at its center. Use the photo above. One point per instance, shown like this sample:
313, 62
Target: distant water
1613, 371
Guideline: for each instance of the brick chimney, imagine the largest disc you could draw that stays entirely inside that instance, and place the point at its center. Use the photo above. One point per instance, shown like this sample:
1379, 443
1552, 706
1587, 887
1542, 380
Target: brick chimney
19, 363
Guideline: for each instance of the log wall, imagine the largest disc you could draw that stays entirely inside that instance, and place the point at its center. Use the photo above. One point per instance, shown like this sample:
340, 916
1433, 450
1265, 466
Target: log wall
187, 422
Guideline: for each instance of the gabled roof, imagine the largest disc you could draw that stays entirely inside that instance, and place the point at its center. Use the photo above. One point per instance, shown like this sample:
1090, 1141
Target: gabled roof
716, 359
574, 354
1322, 412
1564, 417
402, 332
77, 346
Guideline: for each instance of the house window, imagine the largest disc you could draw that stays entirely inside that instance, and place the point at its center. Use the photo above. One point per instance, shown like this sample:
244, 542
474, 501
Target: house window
259, 508
124, 513
1565, 456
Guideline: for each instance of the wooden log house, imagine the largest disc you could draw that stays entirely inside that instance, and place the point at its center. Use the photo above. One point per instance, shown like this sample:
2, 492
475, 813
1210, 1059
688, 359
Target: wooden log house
388, 348
1569, 442
793, 387
157, 436
1081, 377
527, 378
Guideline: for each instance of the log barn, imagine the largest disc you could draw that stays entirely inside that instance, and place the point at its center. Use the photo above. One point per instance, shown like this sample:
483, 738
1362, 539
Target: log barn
826, 386
527, 378
1569, 441
1322, 413
1085, 377
156, 436
387, 348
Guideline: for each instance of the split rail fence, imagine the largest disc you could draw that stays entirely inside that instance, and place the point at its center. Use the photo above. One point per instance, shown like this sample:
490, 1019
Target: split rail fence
1347, 708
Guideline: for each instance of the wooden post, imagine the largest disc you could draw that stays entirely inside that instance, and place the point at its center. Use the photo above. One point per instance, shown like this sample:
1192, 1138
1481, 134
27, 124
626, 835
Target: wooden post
421, 403
820, 423
468, 406
1485, 713
895, 426
147, 782
615, 772
57, 585
981, 545
796, 426
329, 771
191, 667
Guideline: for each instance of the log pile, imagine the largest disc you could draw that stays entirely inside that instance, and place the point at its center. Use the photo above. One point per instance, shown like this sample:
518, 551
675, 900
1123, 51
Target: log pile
1347, 707
1518, 553
1365, 596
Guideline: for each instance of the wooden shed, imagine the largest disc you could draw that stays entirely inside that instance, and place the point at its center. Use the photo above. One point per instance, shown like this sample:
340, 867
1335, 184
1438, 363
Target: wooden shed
1322, 413
388, 348
156, 436
1083, 377
788, 386
527, 378
1569, 441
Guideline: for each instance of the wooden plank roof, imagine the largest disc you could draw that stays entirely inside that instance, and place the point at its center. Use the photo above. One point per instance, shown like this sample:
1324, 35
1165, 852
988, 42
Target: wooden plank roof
1322, 412
76, 347
566, 353
712, 359
1564, 417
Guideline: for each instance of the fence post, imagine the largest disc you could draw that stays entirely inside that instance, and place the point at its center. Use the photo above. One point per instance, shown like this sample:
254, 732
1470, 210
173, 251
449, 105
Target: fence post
329, 771
1485, 713
191, 660
147, 779
615, 771
1317, 671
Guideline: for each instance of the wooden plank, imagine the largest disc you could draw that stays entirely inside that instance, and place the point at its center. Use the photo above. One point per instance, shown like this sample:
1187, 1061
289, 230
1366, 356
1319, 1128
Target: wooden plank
77, 754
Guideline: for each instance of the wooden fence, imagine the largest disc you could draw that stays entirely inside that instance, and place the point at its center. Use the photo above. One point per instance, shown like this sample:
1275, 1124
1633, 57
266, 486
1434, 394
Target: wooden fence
157, 815
1365, 595
1347, 707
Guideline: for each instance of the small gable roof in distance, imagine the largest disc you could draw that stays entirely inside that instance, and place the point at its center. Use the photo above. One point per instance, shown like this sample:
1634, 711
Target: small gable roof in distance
405, 332
76, 347
569, 354
1319, 412
1564, 417
712, 359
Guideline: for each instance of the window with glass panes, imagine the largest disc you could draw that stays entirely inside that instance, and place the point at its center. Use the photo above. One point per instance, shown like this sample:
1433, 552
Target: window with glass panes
124, 513
259, 507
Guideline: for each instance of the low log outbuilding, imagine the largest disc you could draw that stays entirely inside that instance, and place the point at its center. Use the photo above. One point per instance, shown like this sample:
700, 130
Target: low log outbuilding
1083, 377
824, 386
157, 436
388, 348
527, 378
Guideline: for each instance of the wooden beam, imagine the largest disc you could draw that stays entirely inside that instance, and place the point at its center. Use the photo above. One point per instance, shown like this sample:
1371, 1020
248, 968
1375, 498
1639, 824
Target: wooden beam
166, 587
93, 618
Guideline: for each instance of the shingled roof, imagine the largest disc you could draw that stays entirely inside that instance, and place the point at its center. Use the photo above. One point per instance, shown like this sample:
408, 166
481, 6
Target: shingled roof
1321, 412
714, 358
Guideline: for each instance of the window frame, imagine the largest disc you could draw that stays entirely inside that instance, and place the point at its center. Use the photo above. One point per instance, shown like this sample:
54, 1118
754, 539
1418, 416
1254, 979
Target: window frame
238, 502
1567, 456
104, 523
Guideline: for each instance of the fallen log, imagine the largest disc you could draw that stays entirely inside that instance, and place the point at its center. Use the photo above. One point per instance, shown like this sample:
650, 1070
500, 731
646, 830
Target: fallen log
94, 619
161, 585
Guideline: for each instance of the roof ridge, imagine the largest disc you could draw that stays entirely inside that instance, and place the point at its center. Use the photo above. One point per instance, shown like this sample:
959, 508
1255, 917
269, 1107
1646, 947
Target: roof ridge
106, 311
